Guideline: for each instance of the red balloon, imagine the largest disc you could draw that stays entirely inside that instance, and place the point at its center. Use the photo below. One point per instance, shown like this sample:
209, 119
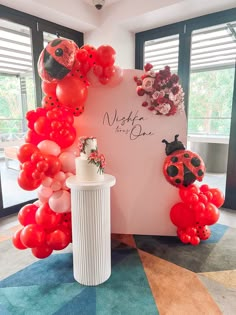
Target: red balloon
25, 151
209, 215
217, 197
98, 70
202, 198
186, 193
54, 165
42, 251
46, 217
203, 232
33, 138
17, 241
50, 102
182, 216
92, 54
106, 56
185, 238
71, 92
26, 182
82, 55
195, 240
42, 126
33, 235
204, 188
26, 214
58, 239
49, 88
109, 71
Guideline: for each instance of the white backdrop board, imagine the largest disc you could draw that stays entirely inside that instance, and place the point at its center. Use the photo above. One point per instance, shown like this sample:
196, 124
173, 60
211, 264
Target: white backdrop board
130, 136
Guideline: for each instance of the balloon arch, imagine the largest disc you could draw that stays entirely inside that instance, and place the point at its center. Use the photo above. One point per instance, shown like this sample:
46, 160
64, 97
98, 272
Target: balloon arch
47, 158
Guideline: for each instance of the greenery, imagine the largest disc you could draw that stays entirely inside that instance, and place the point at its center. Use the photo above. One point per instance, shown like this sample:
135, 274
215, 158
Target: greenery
210, 102
11, 114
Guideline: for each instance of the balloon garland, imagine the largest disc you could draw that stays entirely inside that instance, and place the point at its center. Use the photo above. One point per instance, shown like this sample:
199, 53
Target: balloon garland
47, 158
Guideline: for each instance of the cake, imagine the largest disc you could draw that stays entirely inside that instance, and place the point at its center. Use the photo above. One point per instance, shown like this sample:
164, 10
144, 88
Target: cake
90, 164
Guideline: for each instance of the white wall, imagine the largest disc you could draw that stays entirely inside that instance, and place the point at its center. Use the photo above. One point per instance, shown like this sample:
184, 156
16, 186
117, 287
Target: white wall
117, 23
119, 38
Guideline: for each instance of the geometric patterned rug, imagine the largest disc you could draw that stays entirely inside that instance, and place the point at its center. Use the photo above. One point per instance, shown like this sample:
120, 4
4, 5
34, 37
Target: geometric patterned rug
150, 275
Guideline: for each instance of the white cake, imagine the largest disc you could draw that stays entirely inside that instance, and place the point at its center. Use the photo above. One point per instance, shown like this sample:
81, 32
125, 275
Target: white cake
90, 164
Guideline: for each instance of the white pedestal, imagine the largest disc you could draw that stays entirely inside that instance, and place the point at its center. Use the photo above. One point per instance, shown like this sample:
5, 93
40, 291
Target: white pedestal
91, 229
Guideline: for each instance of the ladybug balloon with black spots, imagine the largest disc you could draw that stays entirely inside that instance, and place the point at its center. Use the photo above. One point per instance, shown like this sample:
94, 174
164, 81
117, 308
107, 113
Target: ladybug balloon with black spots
182, 167
57, 59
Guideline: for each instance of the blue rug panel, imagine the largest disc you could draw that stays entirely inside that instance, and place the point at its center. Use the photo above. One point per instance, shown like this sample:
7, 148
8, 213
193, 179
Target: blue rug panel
127, 292
82, 304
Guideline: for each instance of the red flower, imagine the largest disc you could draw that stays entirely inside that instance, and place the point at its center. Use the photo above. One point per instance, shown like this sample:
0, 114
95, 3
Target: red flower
175, 89
174, 78
148, 67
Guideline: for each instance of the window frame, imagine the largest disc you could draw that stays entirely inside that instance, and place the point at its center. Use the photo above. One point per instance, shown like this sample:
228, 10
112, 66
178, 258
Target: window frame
37, 26
185, 29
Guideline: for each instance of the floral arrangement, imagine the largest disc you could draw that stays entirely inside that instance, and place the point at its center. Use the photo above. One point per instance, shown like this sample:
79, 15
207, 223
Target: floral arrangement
98, 160
83, 141
165, 95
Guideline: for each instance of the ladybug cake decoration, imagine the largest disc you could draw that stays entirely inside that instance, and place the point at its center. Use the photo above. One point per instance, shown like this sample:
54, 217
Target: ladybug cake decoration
182, 167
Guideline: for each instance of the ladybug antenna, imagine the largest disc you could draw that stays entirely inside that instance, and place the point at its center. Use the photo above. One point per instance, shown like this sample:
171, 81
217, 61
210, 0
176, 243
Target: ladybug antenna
164, 141
173, 146
57, 34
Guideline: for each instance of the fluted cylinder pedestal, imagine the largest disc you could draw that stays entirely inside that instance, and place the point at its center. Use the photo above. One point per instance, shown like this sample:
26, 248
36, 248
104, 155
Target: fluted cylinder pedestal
91, 229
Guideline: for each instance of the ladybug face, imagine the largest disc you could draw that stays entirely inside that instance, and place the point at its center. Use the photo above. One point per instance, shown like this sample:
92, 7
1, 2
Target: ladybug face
182, 168
57, 59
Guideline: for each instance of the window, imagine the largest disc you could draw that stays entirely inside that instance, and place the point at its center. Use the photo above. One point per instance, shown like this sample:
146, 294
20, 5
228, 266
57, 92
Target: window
22, 38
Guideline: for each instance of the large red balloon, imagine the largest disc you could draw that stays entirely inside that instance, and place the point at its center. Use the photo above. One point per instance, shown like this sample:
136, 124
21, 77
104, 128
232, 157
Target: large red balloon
71, 92
209, 215
46, 217
33, 235
26, 214
58, 239
25, 151
26, 182
181, 215
54, 165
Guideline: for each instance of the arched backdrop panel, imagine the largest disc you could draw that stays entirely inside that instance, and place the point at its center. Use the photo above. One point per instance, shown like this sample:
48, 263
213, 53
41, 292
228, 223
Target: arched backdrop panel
130, 137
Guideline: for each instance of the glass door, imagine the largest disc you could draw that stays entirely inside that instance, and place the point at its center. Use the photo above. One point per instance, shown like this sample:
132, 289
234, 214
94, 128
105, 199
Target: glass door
17, 96
212, 71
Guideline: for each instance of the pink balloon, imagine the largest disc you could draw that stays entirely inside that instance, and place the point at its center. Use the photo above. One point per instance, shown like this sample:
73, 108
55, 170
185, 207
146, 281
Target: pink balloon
44, 193
67, 160
61, 176
60, 201
56, 185
93, 79
49, 147
117, 77
47, 181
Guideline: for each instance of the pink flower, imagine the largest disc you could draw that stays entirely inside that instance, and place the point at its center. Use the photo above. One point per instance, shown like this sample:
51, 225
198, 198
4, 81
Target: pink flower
148, 84
164, 108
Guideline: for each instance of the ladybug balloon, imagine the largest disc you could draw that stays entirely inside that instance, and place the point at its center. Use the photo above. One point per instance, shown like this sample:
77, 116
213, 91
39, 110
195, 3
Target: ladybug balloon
182, 167
57, 59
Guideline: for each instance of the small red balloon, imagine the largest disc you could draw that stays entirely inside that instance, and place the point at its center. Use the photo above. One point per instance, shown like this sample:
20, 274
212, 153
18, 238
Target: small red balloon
46, 217
42, 251
17, 241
